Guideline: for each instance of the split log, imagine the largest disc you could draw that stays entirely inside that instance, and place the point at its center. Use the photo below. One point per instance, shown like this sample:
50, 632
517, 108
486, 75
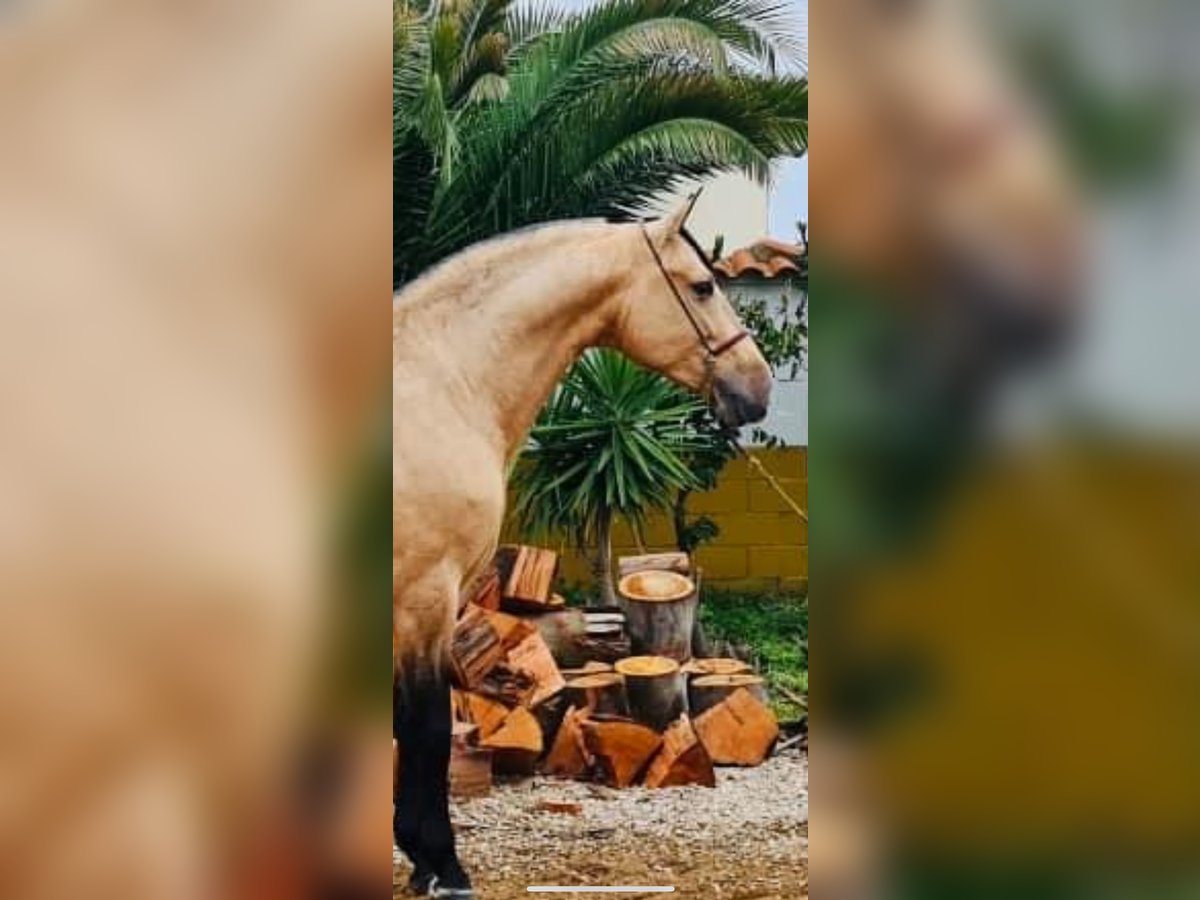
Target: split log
484, 592
531, 578
483, 712
533, 657
655, 689
503, 559
510, 629
602, 693
706, 691
475, 647
549, 714
681, 760
517, 744
621, 748
569, 756
660, 612
507, 685
675, 561
739, 731
463, 734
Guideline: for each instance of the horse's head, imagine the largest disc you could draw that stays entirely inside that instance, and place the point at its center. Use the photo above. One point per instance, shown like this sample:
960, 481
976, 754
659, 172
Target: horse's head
676, 320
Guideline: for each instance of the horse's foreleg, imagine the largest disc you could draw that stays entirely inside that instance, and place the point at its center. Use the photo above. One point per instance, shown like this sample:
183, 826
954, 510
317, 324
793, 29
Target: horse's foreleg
421, 823
437, 836
406, 809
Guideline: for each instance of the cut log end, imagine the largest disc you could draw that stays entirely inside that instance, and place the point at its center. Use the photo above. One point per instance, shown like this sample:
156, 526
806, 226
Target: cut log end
646, 666
738, 731
720, 665
656, 586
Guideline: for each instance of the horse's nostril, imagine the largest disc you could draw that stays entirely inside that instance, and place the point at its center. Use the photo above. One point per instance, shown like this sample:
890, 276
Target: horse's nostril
751, 411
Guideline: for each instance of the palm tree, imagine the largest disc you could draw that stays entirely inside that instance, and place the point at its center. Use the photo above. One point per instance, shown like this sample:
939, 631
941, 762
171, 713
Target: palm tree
507, 116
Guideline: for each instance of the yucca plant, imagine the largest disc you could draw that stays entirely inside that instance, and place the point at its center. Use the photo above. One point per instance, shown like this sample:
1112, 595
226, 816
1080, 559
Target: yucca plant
610, 444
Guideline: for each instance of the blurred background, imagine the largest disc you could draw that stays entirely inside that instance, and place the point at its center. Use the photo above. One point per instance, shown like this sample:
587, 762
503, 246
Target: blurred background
1005, 577
195, 259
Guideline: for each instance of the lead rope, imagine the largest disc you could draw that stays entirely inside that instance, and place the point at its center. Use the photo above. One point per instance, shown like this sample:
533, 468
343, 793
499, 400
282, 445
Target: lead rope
770, 479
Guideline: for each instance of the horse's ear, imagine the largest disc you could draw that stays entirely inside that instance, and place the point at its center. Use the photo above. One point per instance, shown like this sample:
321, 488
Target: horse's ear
672, 223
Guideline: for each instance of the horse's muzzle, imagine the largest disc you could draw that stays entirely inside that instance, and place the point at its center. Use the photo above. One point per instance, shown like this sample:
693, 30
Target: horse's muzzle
738, 404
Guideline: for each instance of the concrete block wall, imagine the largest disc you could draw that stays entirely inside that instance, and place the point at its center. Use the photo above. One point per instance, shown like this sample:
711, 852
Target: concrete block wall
763, 545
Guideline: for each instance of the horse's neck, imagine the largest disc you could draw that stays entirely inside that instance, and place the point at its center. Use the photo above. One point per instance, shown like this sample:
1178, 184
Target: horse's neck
508, 320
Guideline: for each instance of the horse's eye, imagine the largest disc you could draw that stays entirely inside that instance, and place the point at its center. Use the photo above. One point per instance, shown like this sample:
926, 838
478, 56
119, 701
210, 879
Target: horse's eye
704, 288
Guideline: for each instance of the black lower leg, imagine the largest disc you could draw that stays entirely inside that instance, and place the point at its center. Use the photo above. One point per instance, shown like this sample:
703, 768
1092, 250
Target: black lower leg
437, 836
406, 799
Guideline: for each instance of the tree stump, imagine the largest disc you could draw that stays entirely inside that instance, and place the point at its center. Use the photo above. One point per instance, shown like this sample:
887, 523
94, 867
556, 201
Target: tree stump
569, 756
592, 667
720, 665
660, 612
621, 748
517, 744
738, 731
655, 689
576, 636
602, 693
681, 760
706, 691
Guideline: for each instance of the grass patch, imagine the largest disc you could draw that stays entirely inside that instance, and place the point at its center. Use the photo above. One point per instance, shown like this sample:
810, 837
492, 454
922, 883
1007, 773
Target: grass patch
774, 629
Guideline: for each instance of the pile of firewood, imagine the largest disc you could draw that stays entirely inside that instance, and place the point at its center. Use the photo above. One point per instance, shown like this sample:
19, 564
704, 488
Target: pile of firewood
543, 687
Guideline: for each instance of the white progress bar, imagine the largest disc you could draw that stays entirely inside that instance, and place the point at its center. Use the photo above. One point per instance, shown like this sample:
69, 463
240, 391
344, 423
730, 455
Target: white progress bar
600, 889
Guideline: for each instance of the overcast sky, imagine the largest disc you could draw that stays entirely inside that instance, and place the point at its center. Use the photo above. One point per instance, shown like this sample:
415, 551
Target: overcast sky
789, 193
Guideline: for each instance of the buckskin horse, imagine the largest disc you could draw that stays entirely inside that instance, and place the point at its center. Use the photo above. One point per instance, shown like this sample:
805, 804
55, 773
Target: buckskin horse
478, 345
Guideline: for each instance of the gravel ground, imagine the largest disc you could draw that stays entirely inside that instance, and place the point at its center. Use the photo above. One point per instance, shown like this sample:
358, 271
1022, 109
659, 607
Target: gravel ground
746, 839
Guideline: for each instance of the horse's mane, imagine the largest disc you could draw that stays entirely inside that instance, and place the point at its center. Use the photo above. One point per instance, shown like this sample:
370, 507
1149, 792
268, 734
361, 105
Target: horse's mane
479, 254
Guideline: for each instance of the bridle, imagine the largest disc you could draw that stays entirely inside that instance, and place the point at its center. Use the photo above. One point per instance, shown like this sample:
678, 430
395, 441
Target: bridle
711, 351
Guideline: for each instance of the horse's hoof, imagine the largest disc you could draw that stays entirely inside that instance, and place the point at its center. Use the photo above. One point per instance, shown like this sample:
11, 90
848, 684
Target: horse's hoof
445, 892
421, 883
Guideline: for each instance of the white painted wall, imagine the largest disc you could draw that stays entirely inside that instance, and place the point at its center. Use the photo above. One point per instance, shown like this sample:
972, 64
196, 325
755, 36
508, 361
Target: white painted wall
788, 415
